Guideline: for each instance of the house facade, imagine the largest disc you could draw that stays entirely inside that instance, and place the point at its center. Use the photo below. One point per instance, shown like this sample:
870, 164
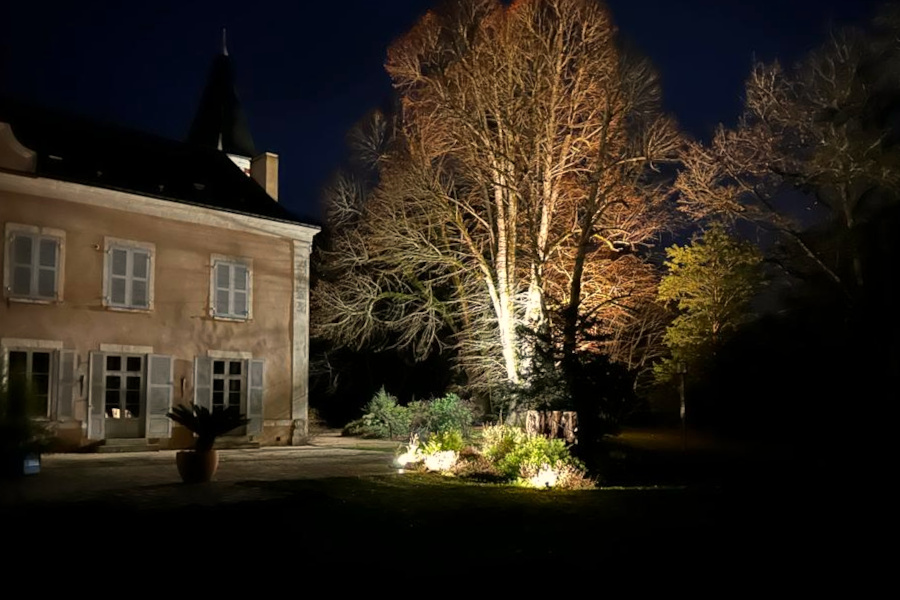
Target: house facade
140, 273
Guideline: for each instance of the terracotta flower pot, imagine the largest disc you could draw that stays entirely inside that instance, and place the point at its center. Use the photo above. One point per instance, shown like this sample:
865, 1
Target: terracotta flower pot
197, 467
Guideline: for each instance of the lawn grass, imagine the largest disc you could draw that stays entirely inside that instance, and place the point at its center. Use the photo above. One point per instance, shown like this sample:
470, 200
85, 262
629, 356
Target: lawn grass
430, 513
417, 521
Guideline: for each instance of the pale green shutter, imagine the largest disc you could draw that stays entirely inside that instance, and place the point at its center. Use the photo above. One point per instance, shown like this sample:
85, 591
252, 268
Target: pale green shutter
140, 279
255, 377
241, 280
65, 384
96, 416
47, 265
160, 388
203, 382
222, 305
118, 277
22, 252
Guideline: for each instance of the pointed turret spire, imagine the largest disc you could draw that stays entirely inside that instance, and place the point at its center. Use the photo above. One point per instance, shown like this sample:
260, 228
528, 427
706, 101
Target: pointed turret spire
220, 122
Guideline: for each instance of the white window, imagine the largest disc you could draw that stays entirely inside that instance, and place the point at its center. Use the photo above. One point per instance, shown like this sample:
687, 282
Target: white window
230, 288
128, 275
228, 378
124, 386
129, 393
34, 263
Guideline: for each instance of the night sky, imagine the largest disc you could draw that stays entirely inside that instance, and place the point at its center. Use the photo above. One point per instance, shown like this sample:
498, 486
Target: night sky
305, 75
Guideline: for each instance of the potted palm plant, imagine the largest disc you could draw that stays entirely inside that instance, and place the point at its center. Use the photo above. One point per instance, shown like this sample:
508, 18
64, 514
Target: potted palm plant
199, 464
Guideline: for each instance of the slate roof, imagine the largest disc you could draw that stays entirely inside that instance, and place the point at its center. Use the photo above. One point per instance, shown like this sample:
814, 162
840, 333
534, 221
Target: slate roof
88, 152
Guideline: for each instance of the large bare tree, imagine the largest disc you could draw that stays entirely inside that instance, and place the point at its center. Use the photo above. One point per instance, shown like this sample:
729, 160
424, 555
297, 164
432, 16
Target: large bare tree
518, 195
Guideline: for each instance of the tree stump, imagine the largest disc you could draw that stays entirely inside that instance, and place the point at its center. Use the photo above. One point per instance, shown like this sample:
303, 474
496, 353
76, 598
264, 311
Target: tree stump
552, 424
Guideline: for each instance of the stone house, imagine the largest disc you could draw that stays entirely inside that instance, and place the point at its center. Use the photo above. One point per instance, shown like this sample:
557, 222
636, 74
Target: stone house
141, 272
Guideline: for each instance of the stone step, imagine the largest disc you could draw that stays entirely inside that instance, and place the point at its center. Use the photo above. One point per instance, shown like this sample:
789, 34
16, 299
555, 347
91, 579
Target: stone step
127, 445
224, 443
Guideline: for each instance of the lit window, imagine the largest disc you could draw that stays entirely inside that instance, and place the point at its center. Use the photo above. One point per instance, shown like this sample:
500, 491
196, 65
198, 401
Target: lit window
123, 386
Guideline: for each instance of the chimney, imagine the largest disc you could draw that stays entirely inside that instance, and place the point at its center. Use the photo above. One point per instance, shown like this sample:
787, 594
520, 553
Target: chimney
264, 171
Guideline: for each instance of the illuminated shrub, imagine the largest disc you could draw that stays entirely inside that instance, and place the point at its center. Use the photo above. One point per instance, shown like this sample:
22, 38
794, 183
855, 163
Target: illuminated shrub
451, 439
410, 455
497, 441
533, 452
439, 453
504, 454
435, 453
561, 476
533, 460
442, 461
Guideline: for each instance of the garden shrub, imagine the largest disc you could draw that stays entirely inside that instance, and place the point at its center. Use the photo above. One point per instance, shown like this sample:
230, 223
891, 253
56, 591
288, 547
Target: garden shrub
506, 454
451, 439
383, 418
442, 461
532, 460
441, 451
561, 476
499, 440
472, 464
533, 451
442, 414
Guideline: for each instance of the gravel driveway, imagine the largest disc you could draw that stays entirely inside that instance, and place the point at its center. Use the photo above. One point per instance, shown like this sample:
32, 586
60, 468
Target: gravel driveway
151, 478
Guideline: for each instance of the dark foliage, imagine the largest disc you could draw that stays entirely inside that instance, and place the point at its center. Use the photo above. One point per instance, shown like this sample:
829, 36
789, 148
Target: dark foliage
343, 381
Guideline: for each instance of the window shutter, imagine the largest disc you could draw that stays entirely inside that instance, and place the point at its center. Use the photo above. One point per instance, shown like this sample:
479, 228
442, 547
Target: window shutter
203, 381
160, 389
140, 279
223, 285
97, 397
21, 246
65, 386
118, 276
240, 290
48, 262
255, 378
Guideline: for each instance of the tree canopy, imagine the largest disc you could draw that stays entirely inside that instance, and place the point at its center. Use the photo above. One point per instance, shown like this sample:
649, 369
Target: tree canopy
512, 195
711, 282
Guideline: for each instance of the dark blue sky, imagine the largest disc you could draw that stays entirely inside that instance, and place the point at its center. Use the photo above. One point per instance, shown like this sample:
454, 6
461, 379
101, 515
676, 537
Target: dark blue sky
306, 71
